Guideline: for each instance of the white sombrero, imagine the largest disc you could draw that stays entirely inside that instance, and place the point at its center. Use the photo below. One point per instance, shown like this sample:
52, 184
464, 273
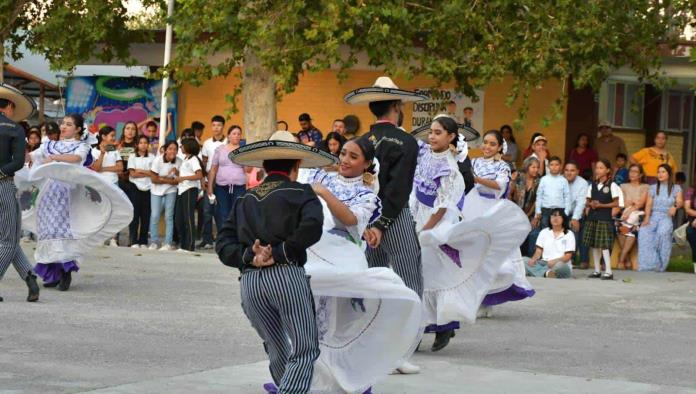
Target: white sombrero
281, 146
384, 89
468, 133
24, 106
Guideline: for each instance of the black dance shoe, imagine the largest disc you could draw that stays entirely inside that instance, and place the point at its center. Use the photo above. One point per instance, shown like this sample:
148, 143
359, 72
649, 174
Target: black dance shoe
65, 280
33, 288
1, 299
595, 275
607, 276
51, 284
442, 339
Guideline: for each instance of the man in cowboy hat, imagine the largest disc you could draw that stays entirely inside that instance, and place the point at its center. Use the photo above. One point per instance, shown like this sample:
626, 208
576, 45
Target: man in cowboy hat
14, 106
392, 239
266, 237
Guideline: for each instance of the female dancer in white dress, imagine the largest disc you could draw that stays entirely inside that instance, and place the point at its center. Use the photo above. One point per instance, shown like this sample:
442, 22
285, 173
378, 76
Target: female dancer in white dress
492, 177
369, 321
461, 258
76, 208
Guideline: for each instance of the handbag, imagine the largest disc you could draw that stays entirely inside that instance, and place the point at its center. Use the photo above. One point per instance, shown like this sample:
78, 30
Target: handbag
680, 234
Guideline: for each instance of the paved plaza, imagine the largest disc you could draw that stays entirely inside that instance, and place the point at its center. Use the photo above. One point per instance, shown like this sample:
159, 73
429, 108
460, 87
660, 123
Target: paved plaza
147, 322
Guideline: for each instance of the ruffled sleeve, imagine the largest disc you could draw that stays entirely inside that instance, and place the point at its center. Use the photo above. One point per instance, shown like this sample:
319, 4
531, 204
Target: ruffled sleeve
82, 150
367, 208
450, 192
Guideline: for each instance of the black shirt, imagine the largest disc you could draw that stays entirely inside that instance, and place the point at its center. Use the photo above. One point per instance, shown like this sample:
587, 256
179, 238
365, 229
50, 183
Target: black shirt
397, 153
12, 146
279, 212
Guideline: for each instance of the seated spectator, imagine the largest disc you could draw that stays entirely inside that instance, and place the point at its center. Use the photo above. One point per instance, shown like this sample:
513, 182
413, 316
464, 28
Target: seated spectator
690, 208
524, 189
339, 126
655, 234
651, 158
309, 135
584, 155
680, 217
52, 132
333, 143
635, 194
578, 195
620, 171
554, 249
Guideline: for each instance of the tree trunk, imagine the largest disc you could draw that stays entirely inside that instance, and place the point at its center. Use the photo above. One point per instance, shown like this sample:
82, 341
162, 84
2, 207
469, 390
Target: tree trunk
258, 91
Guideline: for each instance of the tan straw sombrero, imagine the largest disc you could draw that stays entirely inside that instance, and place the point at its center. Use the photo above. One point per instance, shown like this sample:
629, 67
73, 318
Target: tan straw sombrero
384, 89
468, 133
24, 106
281, 146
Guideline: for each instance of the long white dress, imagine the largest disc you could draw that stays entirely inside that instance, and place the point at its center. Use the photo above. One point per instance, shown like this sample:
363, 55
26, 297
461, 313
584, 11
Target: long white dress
368, 320
71, 208
511, 283
461, 255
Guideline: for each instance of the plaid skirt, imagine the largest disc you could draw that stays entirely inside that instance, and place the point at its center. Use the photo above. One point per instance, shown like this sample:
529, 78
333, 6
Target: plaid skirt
598, 234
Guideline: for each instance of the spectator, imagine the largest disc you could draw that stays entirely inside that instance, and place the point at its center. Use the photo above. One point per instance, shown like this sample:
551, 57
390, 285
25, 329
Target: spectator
33, 141
635, 194
554, 249
620, 171
140, 176
309, 135
510, 155
150, 128
226, 180
651, 158
577, 186
339, 126
197, 128
690, 208
189, 180
598, 235
608, 145
126, 148
107, 161
655, 234
186, 134
583, 154
334, 143
680, 217
524, 190
530, 149
553, 192
165, 168
52, 132
282, 125
206, 210
541, 152
468, 116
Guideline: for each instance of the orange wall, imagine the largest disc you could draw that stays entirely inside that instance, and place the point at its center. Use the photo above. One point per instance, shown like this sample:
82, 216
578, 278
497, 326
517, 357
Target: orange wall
321, 95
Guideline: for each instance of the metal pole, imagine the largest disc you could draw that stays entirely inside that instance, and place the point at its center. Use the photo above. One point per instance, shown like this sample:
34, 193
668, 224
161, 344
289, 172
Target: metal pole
165, 81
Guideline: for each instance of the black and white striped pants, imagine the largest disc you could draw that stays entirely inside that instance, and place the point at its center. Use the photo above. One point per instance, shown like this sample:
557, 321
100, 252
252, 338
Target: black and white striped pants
10, 231
279, 303
401, 251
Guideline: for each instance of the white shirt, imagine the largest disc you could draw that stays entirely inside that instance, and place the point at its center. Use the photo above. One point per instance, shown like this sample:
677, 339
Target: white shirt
141, 163
164, 170
554, 246
188, 168
208, 150
615, 192
110, 160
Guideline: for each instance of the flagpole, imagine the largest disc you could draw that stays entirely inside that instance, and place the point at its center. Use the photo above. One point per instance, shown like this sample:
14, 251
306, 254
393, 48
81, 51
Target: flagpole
165, 81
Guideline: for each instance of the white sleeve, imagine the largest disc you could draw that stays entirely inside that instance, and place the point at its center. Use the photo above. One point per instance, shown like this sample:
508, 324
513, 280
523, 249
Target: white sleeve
96, 153
364, 210
154, 167
589, 191
541, 239
204, 150
131, 163
570, 242
194, 165
450, 192
616, 192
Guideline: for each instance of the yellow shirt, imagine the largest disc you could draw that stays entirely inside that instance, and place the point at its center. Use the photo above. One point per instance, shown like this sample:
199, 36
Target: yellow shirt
651, 160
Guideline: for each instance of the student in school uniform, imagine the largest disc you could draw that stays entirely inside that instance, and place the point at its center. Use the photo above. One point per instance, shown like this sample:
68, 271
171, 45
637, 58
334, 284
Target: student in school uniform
189, 182
140, 176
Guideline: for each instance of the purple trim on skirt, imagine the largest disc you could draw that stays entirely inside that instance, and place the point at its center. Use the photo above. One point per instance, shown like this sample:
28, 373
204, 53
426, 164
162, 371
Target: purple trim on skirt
512, 293
453, 325
452, 253
52, 272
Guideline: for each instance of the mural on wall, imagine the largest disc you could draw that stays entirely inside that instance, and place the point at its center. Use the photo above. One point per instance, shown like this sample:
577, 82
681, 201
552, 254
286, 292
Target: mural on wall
113, 101
450, 102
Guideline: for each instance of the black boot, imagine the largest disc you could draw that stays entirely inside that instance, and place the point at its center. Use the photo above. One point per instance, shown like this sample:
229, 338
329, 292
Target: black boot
33, 288
51, 284
442, 339
65, 280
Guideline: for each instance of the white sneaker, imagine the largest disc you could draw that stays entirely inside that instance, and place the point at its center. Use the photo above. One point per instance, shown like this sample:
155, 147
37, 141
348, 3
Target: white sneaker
406, 369
152, 247
183, 251
165, 248
135, 246
113, 243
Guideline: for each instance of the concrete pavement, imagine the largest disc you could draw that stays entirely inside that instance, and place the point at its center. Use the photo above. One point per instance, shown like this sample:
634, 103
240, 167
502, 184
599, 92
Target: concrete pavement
138, 321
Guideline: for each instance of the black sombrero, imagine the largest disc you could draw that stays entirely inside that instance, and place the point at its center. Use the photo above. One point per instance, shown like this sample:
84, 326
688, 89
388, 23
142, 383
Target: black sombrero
281, 146
384, 89
468, 133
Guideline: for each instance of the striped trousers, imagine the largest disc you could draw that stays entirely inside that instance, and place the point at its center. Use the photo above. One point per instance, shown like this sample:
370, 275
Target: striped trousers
279, 303
10, 231
401, 251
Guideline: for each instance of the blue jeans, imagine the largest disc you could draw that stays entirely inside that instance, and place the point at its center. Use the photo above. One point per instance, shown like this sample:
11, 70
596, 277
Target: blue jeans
167, 202
582, 251
225, 197
541, 267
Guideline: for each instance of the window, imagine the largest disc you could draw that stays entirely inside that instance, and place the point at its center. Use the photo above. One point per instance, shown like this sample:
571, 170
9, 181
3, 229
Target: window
677, 110
624, 105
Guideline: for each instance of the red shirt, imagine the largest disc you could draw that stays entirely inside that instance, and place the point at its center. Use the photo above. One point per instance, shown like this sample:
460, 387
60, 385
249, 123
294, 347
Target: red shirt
584, 159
